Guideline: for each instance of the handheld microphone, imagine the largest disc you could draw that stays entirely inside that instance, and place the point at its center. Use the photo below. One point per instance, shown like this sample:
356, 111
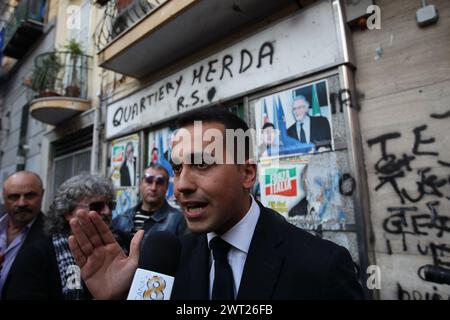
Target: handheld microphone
158, 263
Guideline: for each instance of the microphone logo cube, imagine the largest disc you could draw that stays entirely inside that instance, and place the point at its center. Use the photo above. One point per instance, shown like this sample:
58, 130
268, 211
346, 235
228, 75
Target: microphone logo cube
155, 288
150, 285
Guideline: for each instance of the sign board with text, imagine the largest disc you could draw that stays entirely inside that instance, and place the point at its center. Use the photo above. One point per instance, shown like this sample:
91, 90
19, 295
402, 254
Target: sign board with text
305, 42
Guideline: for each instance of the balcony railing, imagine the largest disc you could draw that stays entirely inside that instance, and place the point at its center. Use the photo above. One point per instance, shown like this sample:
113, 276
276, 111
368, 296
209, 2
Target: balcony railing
59, 74
120, 15
140, 41
23, 27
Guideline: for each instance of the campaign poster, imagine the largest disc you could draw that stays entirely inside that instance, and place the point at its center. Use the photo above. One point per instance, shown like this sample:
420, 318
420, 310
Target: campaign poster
126, 198
281, 186
125, 162
159, 151
306, 190
294, 122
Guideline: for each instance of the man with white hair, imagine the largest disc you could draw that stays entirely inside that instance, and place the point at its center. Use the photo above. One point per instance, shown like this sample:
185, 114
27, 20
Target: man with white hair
309, 129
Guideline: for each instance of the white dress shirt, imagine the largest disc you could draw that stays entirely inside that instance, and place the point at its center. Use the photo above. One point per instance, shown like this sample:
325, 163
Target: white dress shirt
239, 237
306, 126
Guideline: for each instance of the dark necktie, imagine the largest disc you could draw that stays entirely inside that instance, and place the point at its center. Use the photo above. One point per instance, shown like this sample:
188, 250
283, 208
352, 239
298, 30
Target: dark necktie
223, 275
302, 133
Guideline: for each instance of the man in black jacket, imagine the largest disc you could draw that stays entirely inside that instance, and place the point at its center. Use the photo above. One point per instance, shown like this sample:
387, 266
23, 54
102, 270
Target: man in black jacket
21, 225
239, 249
153, 213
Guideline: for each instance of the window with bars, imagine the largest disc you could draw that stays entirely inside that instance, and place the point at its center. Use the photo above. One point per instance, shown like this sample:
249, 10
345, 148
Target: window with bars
70, 165
72, 156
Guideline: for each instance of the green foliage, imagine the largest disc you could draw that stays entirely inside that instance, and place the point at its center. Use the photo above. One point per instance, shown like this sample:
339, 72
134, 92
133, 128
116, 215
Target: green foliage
45, 73
75, 51
74, 48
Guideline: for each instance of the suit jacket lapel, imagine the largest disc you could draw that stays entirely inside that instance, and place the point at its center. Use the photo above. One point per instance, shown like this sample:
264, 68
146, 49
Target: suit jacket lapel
35, 230
199, 270
263, 264
312, 130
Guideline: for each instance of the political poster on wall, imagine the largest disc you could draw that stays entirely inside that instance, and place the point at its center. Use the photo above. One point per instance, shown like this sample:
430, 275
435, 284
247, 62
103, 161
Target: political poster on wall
280, 186
306, 190
125, 172
125, 161
126, 198
159, 152
294, 121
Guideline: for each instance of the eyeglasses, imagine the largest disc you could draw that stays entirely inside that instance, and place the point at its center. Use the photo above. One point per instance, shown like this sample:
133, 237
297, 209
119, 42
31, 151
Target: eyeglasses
159, 179
98, 206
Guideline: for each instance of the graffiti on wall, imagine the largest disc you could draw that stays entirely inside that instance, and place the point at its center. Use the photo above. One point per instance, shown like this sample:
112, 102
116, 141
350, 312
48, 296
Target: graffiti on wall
421, 219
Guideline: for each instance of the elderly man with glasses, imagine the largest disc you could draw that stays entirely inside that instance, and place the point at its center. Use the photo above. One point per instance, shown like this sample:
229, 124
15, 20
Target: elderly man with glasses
47, 270
153, 213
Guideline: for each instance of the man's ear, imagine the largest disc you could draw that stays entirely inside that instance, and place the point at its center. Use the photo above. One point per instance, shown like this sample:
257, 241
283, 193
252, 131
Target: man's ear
249, 172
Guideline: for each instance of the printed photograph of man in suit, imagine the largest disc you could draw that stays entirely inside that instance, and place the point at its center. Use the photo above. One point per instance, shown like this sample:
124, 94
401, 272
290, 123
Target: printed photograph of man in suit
270, 144
309, 129
301, 207
128, 167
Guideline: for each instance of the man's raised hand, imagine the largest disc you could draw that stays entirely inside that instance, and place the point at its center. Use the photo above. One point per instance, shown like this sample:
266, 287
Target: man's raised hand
105, 269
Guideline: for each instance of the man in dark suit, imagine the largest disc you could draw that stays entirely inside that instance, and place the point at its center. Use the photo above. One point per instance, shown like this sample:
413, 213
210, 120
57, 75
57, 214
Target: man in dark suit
22, 224
301, 207
308, 129
238, 250
128, 167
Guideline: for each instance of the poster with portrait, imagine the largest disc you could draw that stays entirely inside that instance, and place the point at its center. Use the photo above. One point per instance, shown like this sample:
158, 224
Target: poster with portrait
281, 186
294, 121
125, 162
126, 198
159, 151
307, 190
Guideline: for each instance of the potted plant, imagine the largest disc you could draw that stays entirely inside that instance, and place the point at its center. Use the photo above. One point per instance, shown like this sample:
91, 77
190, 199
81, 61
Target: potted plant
45, 74
75, 54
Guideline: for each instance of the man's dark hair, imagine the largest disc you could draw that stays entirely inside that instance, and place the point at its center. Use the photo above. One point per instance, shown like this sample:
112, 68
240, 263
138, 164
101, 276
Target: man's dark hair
214, 114
267, 125
129, 143
220, 115
157, 166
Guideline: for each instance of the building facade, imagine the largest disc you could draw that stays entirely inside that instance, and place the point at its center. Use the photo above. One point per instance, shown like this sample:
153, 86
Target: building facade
367, 169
